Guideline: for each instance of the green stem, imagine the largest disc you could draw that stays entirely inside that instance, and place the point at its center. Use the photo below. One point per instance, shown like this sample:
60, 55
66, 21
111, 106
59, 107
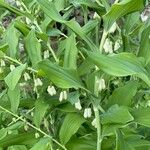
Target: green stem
19, 63
98, 126
103, 41
32, 126
53, 53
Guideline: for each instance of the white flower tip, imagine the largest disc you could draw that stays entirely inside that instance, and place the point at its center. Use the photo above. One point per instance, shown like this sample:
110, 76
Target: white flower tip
108, 46
51, 90
113, 28
87, 113
46, 54
78, 105
38, 82
26, 76
12, 67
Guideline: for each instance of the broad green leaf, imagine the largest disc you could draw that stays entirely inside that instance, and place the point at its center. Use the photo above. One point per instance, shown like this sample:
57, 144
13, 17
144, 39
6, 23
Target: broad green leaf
99, 8
71, 53
24, 29
33, 47
43, 144
13, 44
142, 116
14, 97
2, 54
123, 64
52, 13
40, 110
82, 143
73, 97
18, 139
70, 126
63, 78
116, 114
89, 26
120, 96
17, 147
144, 45
120, 9
3, 133
13, 77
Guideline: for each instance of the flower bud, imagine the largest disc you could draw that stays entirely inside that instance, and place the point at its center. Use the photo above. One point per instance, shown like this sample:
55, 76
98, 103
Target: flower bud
94, 123
12, 67
78, 105
51, 90
101, 84
63, 96
26, 76
37, 135
108, 46
87, 113
113, 28
46, 54
117, 45
3, 63
37, 82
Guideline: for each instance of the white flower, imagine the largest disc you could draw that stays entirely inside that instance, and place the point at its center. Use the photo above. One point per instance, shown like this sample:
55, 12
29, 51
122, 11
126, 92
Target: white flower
46, 54
78, 105
101, 84
144, 17
117, 45
38, 82
87, 113
51, 90
3, 63
108, 46
28, 21
18, 3
94, 123
26, 76
63, 96
113, 28
12, 67
96, 16
37, 135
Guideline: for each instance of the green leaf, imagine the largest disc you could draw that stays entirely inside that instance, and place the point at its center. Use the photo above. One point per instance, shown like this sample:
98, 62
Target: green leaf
13, 77
14, 10
40, 110
17, 147
81, 143
88, 3
120, 96
52, 13
43, 144
120, 9
63, 78
14, 97
18, 139
141, 116
33, 48
121, 144
70, 126
116, 114
13, 44
122, 64
3, 133
144, 45
71, 53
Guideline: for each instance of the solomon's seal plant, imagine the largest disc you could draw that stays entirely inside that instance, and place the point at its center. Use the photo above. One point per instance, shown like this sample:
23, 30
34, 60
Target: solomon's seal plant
74, 75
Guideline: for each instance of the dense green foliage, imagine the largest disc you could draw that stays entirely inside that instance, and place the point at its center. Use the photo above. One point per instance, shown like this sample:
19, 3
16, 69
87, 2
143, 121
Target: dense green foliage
74, 75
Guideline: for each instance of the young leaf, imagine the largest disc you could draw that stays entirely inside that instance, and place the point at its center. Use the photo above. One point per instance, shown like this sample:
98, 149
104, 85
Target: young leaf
63, 78
120, 9
33, 47
145, 44
43, 144
116, 114
122, 64
13, 77
14, 97
70, 126
120, 96
40, 110
13, 44
142, 116
71, 53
